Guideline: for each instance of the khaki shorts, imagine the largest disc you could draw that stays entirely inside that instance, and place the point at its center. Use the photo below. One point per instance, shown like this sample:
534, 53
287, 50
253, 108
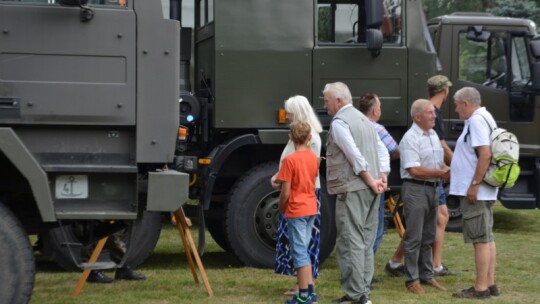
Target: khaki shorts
477, 221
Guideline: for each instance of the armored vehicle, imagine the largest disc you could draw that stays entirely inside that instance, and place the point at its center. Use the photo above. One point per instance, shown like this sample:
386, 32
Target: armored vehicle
88, 123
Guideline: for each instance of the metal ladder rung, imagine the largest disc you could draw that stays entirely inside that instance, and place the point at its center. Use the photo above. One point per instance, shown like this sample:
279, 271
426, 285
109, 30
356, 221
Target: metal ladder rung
98, 265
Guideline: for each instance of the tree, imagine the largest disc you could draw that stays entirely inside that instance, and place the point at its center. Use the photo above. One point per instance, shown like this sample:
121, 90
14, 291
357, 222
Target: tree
509, 8
517, 9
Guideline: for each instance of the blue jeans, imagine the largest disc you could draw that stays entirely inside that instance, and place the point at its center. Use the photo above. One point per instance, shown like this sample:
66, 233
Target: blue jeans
442, 195
299, 236
380, 227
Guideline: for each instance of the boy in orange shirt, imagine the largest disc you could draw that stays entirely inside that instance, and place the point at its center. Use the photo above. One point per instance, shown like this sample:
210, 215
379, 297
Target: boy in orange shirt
299, 205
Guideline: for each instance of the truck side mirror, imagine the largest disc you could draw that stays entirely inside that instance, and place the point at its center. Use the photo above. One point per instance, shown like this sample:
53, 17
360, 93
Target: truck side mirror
374, 41
374, 13
535, 77
477, 33
535, 47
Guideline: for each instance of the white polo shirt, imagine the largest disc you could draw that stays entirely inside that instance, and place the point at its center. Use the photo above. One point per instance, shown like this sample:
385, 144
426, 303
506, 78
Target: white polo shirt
465, 160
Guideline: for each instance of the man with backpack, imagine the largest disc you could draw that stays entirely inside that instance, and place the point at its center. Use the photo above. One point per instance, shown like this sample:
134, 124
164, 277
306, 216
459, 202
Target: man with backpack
472, 157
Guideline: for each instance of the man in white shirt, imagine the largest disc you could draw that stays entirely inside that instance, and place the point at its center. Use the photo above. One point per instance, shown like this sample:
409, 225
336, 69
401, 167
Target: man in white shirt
470, 162
422, 168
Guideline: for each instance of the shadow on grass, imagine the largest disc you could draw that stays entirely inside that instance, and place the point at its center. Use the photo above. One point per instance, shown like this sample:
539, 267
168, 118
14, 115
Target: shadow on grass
509, 220
210, 260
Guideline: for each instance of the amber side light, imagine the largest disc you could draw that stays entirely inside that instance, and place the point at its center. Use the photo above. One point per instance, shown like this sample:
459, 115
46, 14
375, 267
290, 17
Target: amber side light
282, 116
205, 161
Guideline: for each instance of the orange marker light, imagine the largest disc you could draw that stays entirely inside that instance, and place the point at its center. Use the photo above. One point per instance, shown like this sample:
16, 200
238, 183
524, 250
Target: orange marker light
282, 116
205, 161
182, 133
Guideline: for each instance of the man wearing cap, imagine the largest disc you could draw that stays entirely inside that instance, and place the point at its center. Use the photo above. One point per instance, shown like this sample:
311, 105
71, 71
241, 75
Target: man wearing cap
438, 88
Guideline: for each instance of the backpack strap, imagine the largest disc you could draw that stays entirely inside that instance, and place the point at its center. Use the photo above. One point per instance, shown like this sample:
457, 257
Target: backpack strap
469, 131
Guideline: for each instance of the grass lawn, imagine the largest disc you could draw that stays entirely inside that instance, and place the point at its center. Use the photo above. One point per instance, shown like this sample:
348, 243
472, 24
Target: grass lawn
169, 280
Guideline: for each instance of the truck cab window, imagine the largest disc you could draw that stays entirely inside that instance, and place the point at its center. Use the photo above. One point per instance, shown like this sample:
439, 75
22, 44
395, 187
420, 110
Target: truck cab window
521, 73
483, 62
206, 12
345, 21
121, 3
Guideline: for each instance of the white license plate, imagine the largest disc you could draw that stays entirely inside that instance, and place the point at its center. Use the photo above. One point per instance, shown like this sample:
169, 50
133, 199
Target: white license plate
71, 187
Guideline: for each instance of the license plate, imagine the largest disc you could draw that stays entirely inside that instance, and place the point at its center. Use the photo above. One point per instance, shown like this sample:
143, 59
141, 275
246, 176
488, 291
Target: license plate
71, 187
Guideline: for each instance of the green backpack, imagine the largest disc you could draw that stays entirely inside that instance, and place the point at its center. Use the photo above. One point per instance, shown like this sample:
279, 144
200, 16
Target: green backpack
504, 169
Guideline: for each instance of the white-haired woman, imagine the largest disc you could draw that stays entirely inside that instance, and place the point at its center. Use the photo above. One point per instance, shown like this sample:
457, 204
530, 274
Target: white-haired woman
298, 108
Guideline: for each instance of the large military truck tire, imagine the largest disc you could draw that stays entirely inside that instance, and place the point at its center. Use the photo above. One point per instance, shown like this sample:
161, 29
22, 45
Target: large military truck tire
145, 238
251, 216
216, 227
454, 212
17, 267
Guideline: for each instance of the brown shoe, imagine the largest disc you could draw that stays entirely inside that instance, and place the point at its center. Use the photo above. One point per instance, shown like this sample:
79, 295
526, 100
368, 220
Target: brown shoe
435, 285
416, 288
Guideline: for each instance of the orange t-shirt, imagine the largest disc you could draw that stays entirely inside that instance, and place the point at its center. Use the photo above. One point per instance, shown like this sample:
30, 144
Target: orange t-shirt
300, 169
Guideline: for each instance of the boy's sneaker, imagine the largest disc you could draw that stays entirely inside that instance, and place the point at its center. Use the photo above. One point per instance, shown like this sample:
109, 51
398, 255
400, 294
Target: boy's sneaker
471, 293
394, 272
494, 290
296, 299
444, 272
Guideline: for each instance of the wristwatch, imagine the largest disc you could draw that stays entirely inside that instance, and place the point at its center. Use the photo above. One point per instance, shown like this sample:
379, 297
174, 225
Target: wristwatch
475, 183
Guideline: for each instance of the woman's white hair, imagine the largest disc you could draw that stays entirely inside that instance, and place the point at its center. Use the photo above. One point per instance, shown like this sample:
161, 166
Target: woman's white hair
300, 107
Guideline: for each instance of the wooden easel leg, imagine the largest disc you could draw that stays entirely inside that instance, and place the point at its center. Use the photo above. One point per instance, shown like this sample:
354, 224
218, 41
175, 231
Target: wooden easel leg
181, 217
86, 273
397, 218
182, 231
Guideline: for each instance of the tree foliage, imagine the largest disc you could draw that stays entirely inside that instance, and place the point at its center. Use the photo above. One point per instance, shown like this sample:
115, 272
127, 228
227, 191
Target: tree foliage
517, 9
529, 9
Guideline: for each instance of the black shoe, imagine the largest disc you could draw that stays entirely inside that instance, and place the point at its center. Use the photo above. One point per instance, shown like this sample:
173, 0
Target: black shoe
494, 290
394, 272
97, 276
346, 300
444, 272
126, 273
471, 293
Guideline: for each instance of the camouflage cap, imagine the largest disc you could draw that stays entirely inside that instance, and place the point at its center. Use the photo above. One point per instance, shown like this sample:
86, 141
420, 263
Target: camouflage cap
438, 83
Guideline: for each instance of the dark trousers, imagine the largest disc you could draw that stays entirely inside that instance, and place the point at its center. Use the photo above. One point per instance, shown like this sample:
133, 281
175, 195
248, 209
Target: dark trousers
420, 211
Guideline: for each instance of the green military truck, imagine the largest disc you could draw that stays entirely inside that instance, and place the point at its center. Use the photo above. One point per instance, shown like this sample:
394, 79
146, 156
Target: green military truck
498, 56
247, 57
88, 123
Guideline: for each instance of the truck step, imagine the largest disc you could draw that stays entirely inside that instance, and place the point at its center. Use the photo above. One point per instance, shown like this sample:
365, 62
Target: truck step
98, 266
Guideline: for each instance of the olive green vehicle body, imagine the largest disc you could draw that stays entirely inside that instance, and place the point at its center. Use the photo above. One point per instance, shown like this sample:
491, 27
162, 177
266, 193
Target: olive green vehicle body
88, 123
248, 57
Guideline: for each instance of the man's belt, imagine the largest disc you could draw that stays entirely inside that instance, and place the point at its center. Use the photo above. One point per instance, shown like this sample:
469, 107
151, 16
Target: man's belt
422, 182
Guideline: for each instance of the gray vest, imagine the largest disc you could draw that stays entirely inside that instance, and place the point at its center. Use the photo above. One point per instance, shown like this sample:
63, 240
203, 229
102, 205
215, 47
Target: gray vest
339, 172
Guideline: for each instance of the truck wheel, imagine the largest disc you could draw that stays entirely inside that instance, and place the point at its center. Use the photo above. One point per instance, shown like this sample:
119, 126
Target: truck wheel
251, 217
145, 238
454, 212
216, 227
17, 267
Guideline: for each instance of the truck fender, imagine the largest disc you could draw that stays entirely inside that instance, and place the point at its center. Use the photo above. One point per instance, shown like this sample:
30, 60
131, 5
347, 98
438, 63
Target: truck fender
218, 156
17, 153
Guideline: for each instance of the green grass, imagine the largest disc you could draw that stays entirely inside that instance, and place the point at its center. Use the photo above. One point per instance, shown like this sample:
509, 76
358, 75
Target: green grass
169, 279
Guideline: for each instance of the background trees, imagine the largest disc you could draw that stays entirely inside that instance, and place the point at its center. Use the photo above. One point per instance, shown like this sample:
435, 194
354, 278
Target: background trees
529, 9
